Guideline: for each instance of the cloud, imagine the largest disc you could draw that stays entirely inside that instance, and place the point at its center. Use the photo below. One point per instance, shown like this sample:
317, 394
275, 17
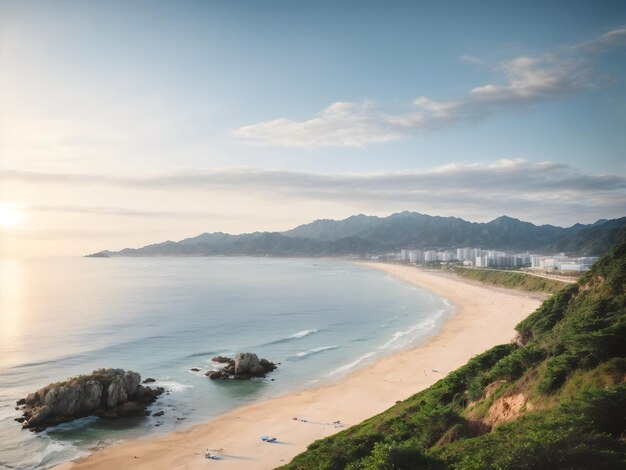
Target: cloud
340, 124
617, 37
535, 79
546, 191
527, 80
117, 211
472, 59
69, 234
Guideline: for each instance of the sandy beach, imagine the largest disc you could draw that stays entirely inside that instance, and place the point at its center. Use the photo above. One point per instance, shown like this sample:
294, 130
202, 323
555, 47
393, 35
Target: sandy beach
483, 318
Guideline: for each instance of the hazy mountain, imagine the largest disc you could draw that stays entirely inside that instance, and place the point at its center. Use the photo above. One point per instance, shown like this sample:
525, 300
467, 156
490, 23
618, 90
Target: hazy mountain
593, 239
414, 230
361, 234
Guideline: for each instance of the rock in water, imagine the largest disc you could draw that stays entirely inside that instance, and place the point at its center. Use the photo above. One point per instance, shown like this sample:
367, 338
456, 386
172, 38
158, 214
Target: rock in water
245, 362
267, 365
73, 399
123, 385
109, 393
217, 374
243, 366
220, 359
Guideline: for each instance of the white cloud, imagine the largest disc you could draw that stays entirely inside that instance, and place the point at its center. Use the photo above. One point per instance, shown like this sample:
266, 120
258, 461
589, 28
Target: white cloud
535, 79
340, 124
545, 191
527, 80
116, 211
472, 59
612, 38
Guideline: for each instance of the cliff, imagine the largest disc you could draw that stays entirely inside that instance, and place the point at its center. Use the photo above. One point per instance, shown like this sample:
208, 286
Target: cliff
555, 398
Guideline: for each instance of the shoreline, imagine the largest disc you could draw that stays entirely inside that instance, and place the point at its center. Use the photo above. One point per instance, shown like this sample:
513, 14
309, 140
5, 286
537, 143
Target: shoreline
484, 317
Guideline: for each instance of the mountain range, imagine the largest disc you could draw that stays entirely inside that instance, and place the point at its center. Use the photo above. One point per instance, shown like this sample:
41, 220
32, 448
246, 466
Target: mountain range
361, 235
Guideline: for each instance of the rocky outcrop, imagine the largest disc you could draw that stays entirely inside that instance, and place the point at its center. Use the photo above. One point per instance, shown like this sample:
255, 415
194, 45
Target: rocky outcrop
122, 387
246, 363
108, 393
221, 359
243, 366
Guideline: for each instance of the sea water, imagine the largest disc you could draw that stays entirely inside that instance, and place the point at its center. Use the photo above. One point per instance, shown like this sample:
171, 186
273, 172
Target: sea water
161, 317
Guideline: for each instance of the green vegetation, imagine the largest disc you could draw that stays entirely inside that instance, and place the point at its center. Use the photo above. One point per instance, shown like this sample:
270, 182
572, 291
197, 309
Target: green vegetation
104, 376
521, 281
557, 399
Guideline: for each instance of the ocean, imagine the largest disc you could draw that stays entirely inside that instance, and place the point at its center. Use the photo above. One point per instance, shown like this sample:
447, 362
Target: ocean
319, 319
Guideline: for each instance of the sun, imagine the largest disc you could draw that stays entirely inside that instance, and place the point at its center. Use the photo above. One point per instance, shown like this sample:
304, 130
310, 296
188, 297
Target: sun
10, 216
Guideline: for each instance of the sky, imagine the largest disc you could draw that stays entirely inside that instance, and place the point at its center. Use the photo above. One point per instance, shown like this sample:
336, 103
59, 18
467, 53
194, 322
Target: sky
124, 123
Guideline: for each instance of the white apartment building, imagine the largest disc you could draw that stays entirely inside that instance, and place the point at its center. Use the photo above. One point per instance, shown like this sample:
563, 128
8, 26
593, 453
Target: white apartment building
465, 254
562, 263
498, 259
445, 256
416, 256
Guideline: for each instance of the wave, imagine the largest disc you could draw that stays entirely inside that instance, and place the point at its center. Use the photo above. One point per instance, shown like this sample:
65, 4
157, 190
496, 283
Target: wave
430, 322
298, 335
56, 446
303, 333
172, 386
424, 324
205, 353
347, 367
56, 452
316, 350
79, 423
38, 363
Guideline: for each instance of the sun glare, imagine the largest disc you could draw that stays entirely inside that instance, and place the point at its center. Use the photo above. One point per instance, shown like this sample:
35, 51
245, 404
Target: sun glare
10, 216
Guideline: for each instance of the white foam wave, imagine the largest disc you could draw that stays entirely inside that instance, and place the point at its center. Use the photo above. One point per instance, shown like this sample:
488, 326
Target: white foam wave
419, 326
55, 447
349, 366
57, 452
172, 386
316, 350
71, 425
424, 324
303, 333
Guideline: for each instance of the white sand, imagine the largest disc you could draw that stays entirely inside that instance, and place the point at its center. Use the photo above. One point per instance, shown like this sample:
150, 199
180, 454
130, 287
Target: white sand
484, 318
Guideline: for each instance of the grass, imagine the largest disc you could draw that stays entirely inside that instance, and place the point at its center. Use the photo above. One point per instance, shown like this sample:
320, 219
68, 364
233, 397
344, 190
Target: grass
511, 280
570, 366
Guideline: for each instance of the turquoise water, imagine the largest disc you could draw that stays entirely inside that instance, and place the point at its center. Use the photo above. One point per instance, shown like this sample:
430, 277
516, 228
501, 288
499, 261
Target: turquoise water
162, 316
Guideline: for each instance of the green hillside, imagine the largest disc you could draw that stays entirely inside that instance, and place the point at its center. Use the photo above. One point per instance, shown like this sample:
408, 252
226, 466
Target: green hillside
510, 280
556, 399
